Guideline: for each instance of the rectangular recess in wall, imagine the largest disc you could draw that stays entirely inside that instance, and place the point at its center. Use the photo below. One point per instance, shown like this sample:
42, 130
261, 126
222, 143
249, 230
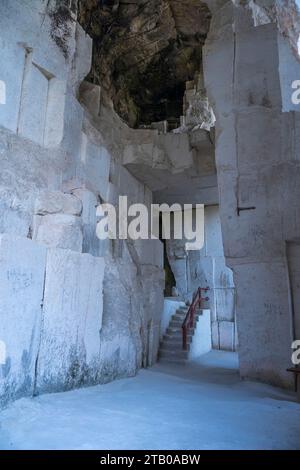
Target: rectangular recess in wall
33, 104
41, 114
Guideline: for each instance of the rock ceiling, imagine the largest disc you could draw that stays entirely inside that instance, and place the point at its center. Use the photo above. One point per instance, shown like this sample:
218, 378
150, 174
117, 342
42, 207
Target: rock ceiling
144, 52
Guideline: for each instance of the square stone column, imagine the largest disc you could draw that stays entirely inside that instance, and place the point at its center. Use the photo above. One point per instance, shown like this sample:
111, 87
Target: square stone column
258, 179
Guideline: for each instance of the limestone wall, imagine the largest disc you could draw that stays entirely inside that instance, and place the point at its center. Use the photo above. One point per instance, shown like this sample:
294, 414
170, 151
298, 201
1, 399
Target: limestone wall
74, 310
202, 339
21, 285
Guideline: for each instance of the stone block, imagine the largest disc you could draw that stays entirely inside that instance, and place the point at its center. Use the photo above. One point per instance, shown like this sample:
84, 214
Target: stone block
13, 220
148, 199
130, 186
152, 298
54, 124
112, 194
83, 56
175, 146
89, 204
218, 54
122, 329
215, 335
226, 335
289, 70
150, 252
202, 339
72, 318
90, 97
262, 127
141, 153
27, 168
2, 92
94, 167
59, 231
213, 235
236, 339
222, 276
211, 303
259, 89
178, 267
91, 243
55, 202
11, 74
72, 139
34, 99
19, 47
264, 321
203, 271
22, 272
225, 304
224, 146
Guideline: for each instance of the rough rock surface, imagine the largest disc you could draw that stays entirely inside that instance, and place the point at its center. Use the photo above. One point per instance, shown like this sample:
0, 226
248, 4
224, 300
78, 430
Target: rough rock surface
285, 13
55, 202
144, 52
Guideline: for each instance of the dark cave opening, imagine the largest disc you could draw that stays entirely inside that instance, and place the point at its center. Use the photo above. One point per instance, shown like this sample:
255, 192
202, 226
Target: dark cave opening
144, 53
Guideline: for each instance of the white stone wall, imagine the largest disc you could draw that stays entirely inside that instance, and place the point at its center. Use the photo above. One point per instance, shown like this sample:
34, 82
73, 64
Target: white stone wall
202, 338
74, 310
258, 177
69, 353
22, 271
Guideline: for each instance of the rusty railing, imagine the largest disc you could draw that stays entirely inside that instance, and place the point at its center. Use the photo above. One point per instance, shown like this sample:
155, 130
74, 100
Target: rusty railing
190, 316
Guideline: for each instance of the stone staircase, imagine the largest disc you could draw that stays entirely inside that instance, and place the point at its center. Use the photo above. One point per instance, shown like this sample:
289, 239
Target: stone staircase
171, 345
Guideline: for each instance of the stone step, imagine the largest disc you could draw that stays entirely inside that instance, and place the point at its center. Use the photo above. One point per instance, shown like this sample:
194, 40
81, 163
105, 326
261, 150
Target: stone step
177, 316
169, 346
178, 324
175, 324
186, 309
182, 311
177, 340
178, 331
181, 319
174, 332
178, 354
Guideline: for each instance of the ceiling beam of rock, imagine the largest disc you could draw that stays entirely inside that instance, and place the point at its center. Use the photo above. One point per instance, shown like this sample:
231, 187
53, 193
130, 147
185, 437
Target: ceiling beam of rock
144, 53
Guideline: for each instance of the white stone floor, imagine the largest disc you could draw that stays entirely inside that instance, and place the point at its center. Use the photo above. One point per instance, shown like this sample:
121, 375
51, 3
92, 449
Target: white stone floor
200, 406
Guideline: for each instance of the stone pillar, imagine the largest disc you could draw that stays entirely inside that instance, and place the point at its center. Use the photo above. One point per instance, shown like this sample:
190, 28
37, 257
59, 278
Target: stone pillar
207, 268
258, 179
177, 256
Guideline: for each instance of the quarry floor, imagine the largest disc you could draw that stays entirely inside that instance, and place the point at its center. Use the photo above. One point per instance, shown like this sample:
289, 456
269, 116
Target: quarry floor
200, 406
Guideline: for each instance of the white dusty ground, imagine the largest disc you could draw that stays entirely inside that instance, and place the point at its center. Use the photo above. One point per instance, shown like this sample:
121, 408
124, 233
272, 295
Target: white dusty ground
202, 406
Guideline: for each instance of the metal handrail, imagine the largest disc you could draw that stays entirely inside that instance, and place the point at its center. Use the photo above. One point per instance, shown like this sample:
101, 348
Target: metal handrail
189, 319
